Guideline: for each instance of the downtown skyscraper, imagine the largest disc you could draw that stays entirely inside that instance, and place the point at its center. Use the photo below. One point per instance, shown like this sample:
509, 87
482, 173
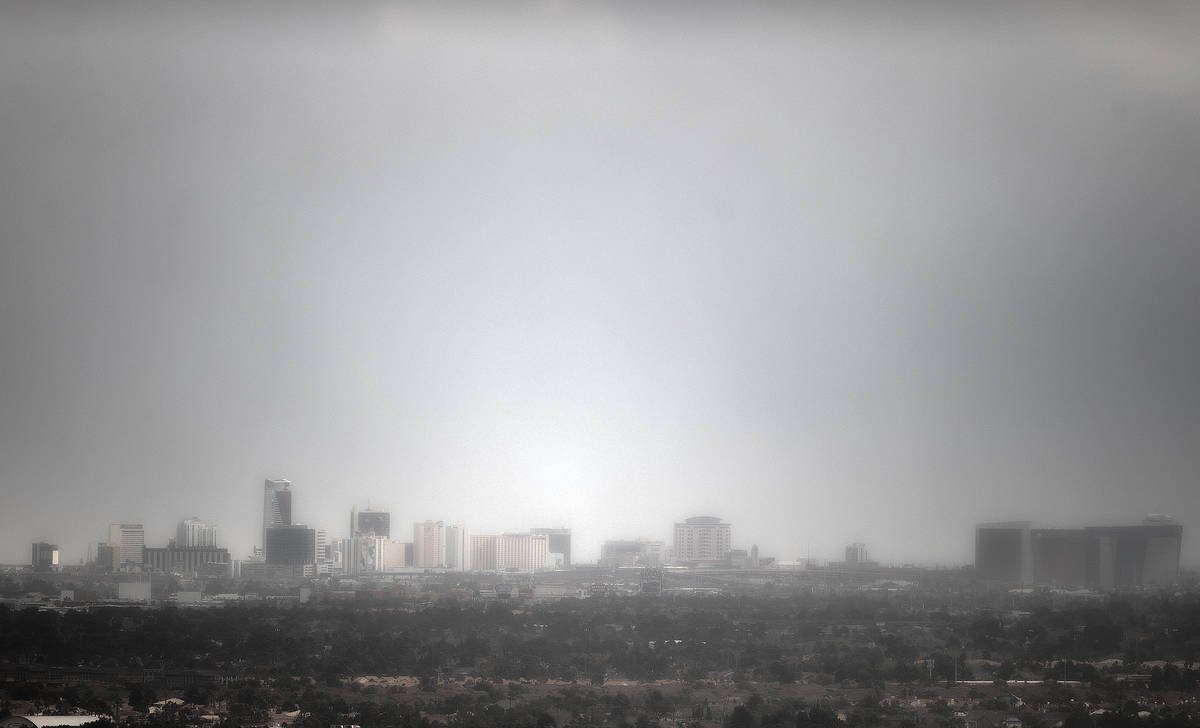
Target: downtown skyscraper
277, 505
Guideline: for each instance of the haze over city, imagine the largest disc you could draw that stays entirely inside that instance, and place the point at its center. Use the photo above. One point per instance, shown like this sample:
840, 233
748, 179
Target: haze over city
832, 275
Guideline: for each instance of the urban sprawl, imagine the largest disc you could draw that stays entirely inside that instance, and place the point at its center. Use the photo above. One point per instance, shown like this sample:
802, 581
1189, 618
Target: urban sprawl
1050, 627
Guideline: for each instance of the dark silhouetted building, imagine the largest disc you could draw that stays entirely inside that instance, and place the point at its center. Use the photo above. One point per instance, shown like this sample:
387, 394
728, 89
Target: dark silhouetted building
108, 557
1059, 556
1002, 552
45, 556
559, 544
370, 521
1103, 557
294, 545
1124, 556
277, 505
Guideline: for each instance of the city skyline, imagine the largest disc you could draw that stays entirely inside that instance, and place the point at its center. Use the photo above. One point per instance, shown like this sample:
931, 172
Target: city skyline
684, 545
833, 274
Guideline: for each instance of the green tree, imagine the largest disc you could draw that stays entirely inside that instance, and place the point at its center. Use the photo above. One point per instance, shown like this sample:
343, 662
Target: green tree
740, 717
141, 696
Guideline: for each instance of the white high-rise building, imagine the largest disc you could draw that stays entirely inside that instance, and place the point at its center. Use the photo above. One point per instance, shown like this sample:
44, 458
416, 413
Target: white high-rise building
522, 552
429, 545
194, 532
483, 552
128, 540
324, 558
458, 547
856, 553
702, 539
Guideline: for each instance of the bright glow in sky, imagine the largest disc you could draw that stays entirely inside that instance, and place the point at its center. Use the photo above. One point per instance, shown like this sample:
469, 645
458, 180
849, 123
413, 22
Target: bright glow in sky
833, 275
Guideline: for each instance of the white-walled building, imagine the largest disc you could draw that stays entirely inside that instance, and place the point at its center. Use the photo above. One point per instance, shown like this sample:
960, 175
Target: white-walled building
194, 532
522, 552
856, 553
458, 547
390, 555
128, 540
702, 539
429, 545
483, 552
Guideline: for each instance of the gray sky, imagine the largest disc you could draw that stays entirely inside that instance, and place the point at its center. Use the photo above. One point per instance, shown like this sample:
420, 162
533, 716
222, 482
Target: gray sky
834, 275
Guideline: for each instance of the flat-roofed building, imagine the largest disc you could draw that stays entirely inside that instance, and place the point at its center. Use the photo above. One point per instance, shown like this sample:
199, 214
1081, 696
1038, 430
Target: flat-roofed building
559, 544
129, 539
44, 556
626, 554
392, 555
1002, 552
187, 560
133, 591
702, 540
1124, 556
458, 547
370, 521
294, 545
194, 532
48, 721
1059, 556
429, 545
524, 552
108, 557
1103, 557
483, 552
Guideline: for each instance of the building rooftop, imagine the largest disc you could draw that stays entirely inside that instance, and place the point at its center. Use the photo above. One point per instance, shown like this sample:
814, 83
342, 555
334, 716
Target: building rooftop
47, 721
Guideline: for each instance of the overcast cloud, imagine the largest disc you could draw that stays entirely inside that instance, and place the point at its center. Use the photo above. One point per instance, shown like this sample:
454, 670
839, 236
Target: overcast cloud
835, 275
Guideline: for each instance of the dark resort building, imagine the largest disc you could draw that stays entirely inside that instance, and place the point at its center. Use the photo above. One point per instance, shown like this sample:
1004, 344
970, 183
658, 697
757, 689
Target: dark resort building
1002, 551
1059, 556
291, 545
1133, 555
1103, 557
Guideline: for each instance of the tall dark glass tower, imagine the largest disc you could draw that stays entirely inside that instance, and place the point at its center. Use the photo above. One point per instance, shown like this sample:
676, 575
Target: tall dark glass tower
378, 522
277, 505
